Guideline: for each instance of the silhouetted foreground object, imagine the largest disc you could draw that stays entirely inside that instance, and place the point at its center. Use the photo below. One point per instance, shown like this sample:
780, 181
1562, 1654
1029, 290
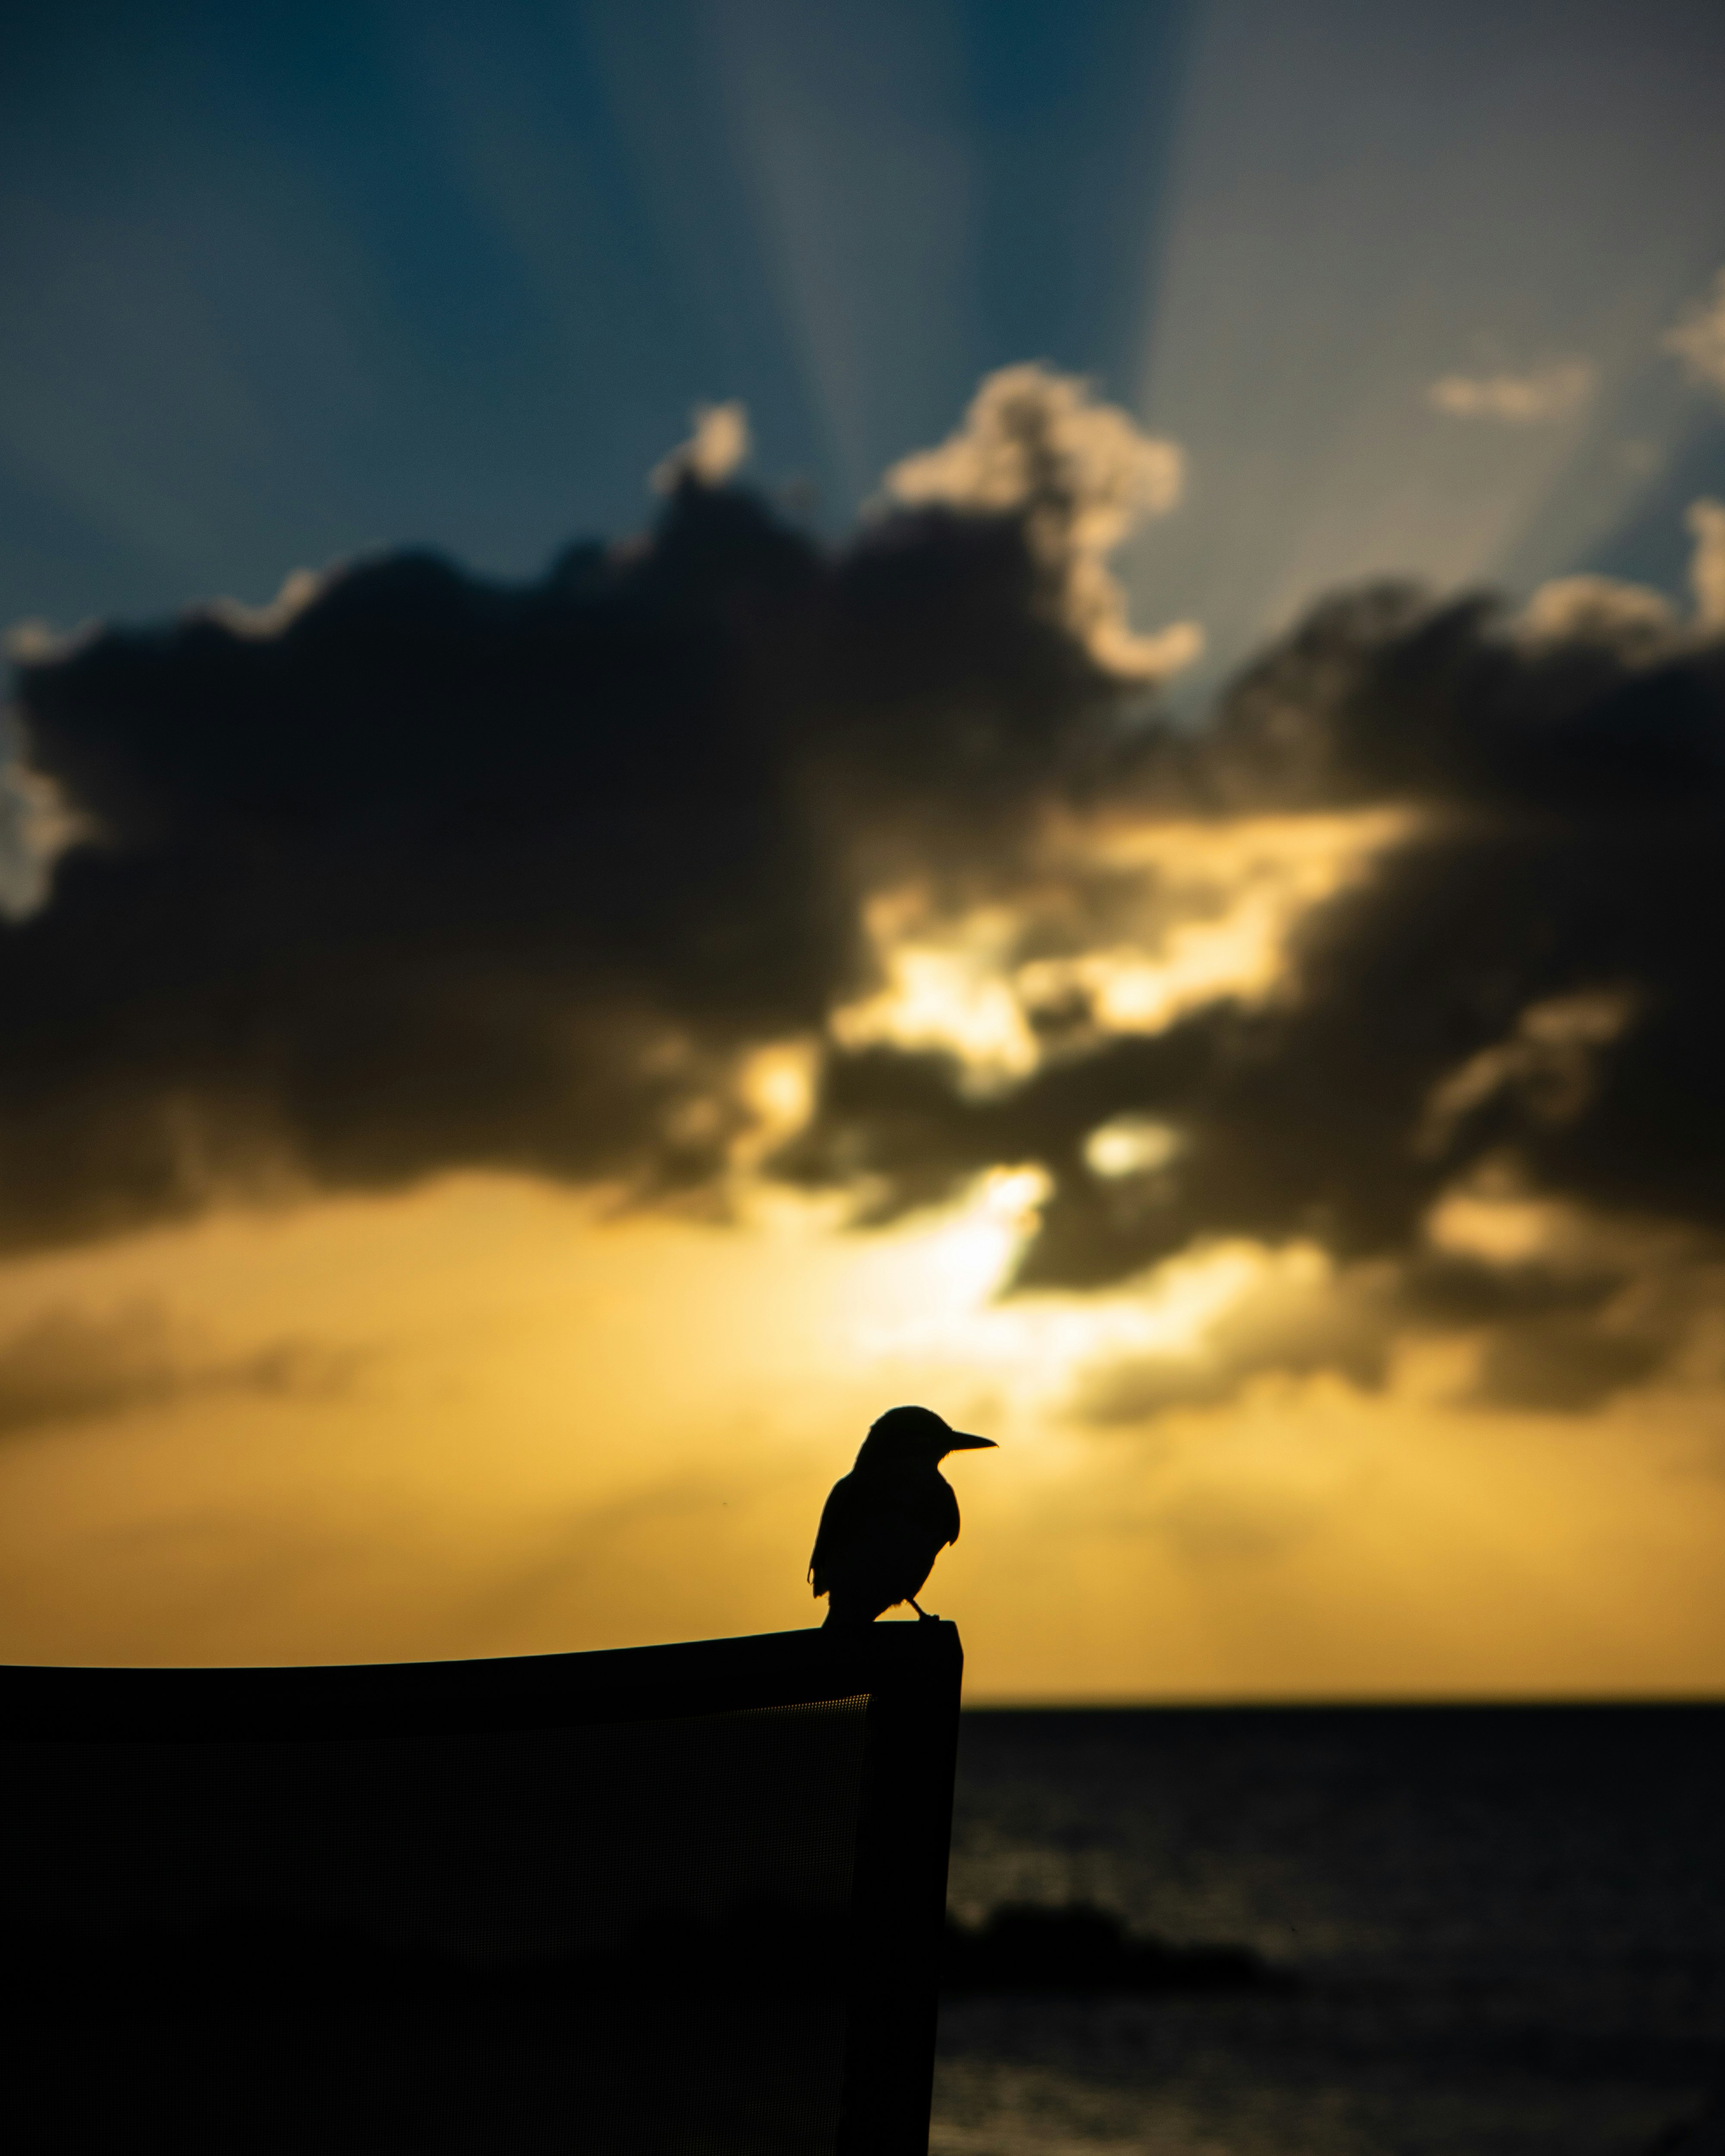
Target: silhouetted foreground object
886, 1522
682, 1898
1022, 1948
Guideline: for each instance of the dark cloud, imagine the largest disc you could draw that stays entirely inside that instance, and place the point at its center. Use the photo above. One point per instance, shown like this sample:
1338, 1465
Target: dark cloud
445, 873
1533, 978
1556, 909
438, 873
68, 1367
1555, 1340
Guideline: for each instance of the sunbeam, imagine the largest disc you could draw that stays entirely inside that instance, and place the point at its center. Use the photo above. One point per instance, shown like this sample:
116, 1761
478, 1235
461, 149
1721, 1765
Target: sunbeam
1369, 216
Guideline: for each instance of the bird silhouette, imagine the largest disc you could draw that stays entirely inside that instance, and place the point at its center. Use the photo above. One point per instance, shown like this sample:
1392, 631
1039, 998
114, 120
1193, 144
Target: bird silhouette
886, 1522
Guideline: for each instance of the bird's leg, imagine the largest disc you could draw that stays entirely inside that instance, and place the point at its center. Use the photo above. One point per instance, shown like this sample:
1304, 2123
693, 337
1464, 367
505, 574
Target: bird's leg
922, 1613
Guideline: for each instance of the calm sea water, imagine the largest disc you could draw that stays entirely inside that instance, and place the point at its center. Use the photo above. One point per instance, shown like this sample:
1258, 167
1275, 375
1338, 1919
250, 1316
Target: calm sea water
1509, 1923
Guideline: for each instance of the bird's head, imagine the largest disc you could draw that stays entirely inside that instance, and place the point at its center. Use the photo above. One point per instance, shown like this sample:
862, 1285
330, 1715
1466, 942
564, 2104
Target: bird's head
915, 1437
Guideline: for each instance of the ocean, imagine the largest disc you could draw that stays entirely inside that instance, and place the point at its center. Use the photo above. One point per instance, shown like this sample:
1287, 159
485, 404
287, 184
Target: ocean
1504, 1927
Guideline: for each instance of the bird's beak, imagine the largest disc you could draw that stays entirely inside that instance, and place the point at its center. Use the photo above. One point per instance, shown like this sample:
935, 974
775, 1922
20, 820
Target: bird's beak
961, 1441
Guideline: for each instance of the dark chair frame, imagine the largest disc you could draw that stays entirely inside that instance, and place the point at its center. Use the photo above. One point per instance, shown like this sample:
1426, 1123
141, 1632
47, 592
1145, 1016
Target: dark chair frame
910, 1672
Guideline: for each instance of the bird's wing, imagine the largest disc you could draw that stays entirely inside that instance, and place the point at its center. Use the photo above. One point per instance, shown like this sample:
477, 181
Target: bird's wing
838, 1527
949, 1513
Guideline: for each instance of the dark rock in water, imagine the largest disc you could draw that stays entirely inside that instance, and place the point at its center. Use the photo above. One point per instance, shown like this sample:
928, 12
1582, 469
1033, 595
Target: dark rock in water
1701, 2136
1080, 1948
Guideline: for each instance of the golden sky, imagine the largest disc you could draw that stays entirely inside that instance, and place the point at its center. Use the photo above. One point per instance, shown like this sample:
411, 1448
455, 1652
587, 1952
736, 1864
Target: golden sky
493, 1417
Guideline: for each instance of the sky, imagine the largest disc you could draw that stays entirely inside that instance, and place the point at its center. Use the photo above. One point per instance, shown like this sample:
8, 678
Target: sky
719, 714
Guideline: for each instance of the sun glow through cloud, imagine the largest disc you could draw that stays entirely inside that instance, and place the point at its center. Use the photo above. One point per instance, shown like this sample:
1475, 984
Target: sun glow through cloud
942, 1301
1208, 911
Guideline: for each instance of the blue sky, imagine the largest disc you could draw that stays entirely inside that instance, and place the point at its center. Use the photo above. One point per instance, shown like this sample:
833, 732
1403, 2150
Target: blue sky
287, 283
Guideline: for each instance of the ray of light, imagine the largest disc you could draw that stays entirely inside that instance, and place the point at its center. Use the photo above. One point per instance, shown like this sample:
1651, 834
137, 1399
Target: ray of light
1365, 206
846, 123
